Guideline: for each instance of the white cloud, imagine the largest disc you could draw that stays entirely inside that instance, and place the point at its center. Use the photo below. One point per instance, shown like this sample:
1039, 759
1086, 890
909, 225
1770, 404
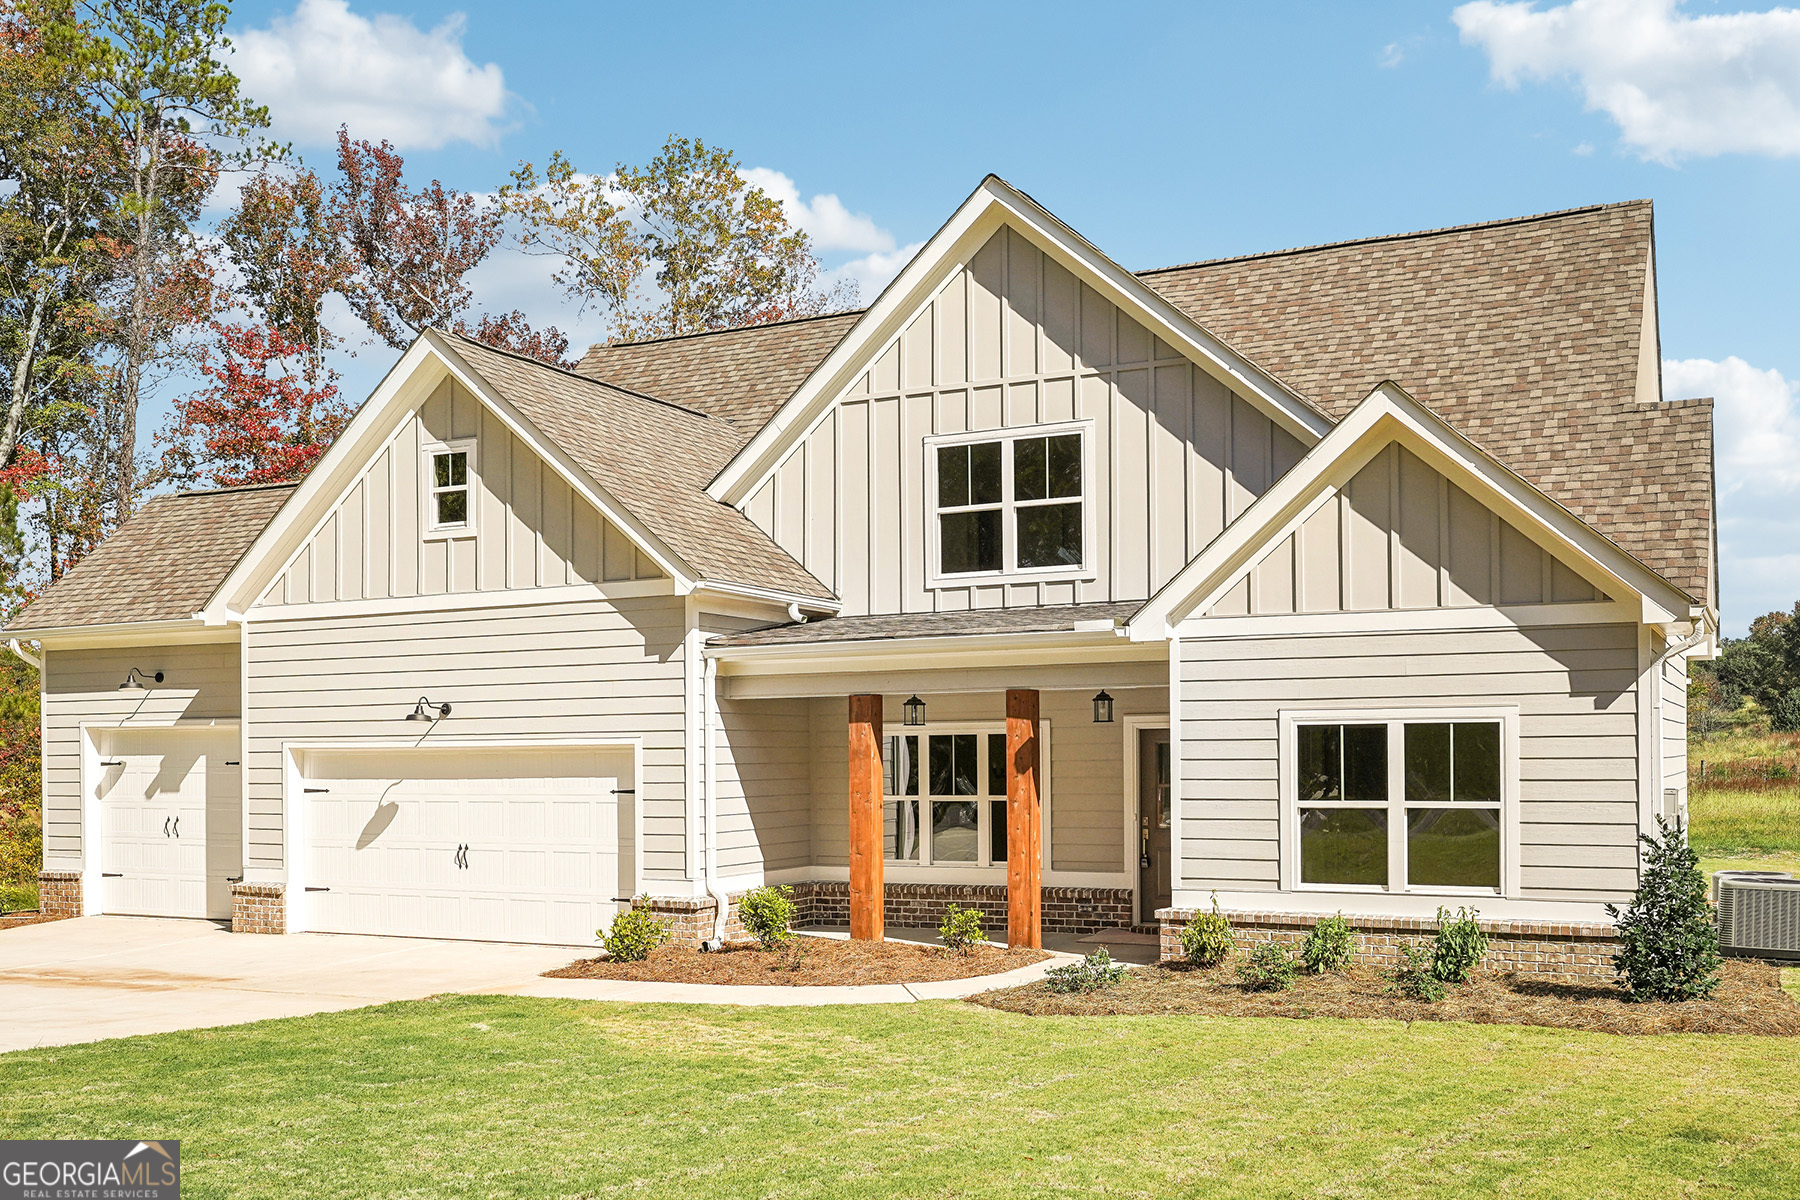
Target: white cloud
1676, 85
1392, 55
824, 218
872, 272
325, 66
1582, 149
1756, 430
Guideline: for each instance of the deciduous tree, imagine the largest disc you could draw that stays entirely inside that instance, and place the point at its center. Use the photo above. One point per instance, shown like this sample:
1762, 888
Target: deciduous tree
286, 242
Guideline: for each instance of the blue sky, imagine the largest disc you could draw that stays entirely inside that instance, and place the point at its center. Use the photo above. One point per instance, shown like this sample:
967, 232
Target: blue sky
1165, 133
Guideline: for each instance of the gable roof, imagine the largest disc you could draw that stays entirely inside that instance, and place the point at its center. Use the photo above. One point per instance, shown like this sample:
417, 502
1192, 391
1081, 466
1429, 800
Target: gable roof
741, 375
654, 458
1526, 335
164, 564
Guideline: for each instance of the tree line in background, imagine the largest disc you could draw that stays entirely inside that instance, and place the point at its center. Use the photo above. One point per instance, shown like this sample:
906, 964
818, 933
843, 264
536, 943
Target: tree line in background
120, 129
1763, 666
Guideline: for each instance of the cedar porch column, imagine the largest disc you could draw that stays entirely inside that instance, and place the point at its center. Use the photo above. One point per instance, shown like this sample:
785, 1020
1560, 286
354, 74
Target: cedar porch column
1024, 822
866, 923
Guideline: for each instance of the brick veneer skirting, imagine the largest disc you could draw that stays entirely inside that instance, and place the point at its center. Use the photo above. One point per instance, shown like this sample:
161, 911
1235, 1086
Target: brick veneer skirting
59, 893
258, 908
917, 905
1524, 947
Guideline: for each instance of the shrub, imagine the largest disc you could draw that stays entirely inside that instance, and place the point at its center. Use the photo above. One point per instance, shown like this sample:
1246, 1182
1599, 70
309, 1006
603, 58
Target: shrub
961, 928
1460, 946
1416, 977
1092, 973
1669, 935
1329, 947
767, 912
635, 933
1268, 968
1784, 713
1206, 940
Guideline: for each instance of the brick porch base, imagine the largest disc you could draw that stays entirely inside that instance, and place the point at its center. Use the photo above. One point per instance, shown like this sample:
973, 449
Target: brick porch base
59, 893
1523, 947
258, 908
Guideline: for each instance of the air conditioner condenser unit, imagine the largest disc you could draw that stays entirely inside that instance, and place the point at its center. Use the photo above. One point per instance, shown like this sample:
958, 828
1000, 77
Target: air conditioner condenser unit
1759, 913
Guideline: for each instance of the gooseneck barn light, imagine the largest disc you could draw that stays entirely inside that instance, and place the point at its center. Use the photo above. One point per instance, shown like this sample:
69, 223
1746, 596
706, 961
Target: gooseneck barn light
420, 711
134, 680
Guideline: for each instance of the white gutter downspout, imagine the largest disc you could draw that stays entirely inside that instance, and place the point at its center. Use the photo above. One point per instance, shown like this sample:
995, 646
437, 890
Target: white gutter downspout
24, 654
709, 710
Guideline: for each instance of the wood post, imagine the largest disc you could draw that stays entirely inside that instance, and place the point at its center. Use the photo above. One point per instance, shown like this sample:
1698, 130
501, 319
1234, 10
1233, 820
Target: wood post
1024, 822
866, 921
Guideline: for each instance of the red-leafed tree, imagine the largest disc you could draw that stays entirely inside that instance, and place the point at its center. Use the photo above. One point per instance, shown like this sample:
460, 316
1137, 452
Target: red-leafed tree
511, 331
264, 419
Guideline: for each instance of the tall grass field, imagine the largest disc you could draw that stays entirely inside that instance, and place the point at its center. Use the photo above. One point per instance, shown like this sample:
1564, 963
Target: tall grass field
1744, 794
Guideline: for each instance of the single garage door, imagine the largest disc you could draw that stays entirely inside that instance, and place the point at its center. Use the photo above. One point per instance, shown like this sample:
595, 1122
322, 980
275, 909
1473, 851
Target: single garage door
171, 829
514, 845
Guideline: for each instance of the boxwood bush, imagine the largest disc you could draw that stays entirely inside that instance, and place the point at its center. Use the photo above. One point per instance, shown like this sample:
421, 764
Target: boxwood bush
1206, 940
961, 928
635, 932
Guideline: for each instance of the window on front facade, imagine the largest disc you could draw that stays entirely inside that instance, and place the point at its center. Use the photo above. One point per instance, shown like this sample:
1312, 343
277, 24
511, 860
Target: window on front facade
1011, 504
1399, 804
945, 798
447, 504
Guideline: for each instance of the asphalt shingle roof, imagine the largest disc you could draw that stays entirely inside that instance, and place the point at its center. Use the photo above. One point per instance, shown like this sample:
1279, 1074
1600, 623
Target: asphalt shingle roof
1058, 618
163, 564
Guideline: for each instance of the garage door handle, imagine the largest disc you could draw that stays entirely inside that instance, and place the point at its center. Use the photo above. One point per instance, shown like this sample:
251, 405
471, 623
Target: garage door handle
177, 826
165, 827
624, 791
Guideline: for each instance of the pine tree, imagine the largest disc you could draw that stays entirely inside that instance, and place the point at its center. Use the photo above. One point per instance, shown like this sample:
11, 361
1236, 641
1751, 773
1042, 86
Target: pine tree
1669, 934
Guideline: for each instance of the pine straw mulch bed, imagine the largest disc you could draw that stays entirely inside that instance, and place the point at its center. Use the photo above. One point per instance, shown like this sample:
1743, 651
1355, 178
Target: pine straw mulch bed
14, 920
807, 962
1748, 1001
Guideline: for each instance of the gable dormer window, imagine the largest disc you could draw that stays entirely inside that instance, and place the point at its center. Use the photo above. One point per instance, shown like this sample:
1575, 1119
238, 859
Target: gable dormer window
449, 502
1010, 503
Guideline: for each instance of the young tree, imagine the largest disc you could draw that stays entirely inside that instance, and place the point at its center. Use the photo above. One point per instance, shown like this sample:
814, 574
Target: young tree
723, 251
1668, 935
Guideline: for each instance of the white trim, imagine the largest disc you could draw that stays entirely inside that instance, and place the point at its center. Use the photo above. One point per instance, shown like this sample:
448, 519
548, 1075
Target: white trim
1134, 804
1410, 620
1391, 904
955, 872
1178, 854
126, 633
464, 601
429, 529
820, 604
1390, 415
993, 204
1009, 505
1395, 718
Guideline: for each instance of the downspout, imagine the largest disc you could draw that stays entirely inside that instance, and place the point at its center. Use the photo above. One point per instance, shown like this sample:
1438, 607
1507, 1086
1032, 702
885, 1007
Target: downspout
795, 615
709, 707
24, 654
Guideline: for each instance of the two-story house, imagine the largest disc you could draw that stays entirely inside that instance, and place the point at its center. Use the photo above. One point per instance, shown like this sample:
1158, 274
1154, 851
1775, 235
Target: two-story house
1355, 578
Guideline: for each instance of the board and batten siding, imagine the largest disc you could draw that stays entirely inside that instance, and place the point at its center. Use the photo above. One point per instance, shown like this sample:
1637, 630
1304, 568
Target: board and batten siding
573, 669
531, 529
1575, 687
1400, 535
1013, 339
82, 687
1086, 771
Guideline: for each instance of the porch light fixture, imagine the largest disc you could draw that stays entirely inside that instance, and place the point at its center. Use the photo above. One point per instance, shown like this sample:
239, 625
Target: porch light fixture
913, 712
419, 712
134, 680
1103, 709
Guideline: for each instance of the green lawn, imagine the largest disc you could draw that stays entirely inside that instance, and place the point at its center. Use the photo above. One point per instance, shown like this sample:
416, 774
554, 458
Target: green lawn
493, 1096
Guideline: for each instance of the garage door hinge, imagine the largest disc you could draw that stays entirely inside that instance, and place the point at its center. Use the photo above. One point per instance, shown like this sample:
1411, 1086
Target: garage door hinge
312, 889
234, 879
112, 874
232, 762
624, 791
111, 762
315, 789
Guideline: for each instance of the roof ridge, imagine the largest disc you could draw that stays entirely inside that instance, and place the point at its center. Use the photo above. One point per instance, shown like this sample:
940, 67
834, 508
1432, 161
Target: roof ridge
218, 491
1501, 222
682, 337
591, 380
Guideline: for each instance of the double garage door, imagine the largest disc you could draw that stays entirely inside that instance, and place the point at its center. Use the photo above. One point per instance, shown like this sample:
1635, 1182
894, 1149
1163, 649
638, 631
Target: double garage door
516, 845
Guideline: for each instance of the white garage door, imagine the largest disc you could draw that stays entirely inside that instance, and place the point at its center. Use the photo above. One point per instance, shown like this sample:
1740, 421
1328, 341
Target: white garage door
495, 845
171, 834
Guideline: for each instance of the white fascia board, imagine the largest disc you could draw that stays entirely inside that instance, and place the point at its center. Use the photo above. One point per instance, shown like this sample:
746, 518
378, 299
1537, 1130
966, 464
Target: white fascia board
771, 595
968, 650
1387, 415
128, 633
993, 204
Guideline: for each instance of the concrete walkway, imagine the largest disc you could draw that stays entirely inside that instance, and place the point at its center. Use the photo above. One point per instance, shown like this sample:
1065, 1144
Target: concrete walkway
93, 978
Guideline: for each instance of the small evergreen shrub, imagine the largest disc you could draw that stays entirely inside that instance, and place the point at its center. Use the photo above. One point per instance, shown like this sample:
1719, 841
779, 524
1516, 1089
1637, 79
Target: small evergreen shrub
1784, 713
1460, 946
1329, 947
635, 933
1268, 968
1206, 940
961, 928
767, 913
1669, 934
1096, 971
1416, 977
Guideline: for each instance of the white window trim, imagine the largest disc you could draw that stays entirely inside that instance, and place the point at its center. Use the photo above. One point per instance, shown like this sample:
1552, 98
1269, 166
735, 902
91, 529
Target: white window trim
432, 531
1290, 721
962, 871
936, 578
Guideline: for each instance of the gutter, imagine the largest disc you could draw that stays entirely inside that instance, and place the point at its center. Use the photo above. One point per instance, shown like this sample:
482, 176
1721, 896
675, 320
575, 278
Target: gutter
709, 723
24, 654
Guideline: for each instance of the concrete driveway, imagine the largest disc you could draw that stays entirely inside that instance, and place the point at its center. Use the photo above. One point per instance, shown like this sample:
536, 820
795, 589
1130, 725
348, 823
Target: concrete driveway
103, 977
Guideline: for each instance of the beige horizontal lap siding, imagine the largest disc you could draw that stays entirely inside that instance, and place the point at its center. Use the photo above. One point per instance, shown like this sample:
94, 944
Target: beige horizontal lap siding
531, 529
1575, 687
1086, 775
201, 682
763, 752
571, 670
1015, 340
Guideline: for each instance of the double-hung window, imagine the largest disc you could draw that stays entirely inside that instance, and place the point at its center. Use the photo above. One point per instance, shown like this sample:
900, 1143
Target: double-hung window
1010, 503
1399, 803
945, 798
449, 498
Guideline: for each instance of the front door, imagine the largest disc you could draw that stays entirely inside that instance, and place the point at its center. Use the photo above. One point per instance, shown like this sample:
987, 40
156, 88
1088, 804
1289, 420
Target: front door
1154, 875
